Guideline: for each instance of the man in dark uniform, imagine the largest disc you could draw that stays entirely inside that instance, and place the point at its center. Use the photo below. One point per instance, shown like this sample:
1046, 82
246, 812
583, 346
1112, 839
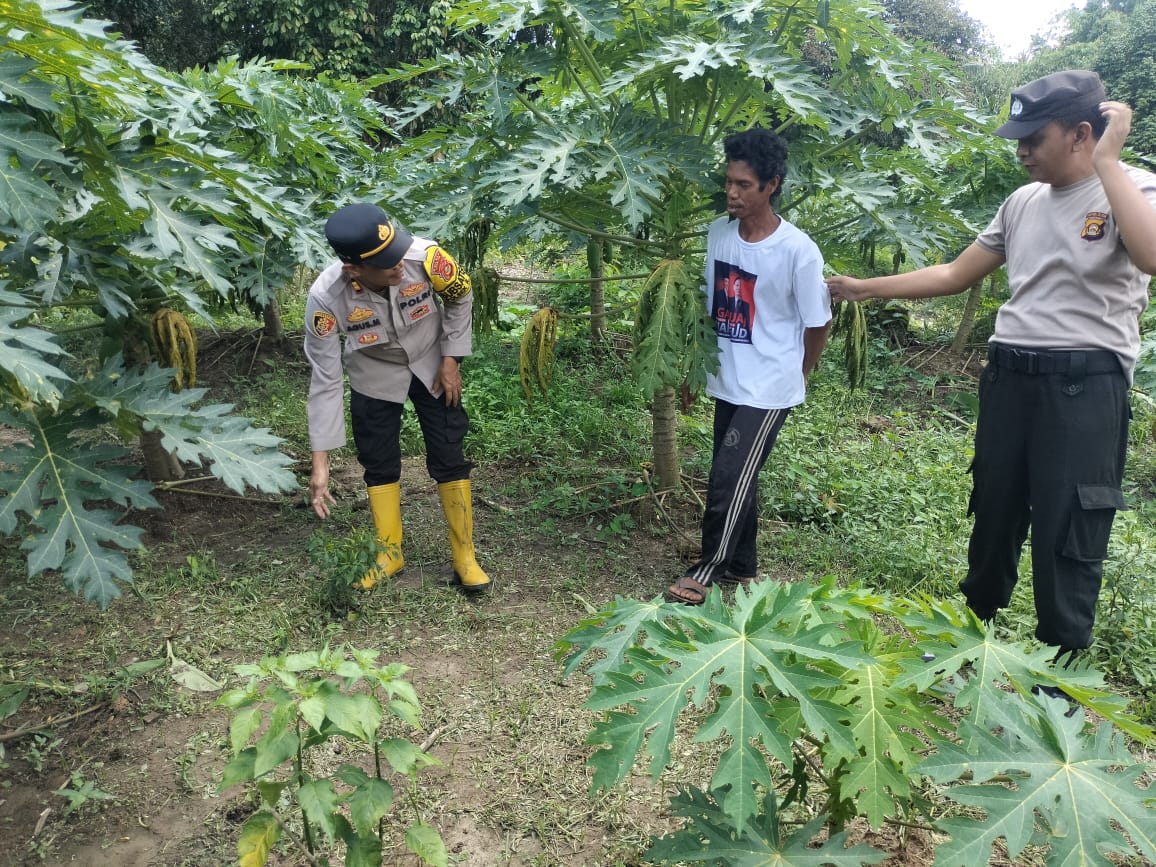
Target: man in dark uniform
1079, 242
398, 310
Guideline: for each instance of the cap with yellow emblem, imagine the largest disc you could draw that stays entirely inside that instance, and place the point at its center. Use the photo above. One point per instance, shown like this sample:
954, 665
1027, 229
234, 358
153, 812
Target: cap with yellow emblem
364, 233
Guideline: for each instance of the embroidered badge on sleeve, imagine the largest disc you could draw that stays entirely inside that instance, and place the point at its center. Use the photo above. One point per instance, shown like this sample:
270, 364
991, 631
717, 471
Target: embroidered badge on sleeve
323, 323
448, 279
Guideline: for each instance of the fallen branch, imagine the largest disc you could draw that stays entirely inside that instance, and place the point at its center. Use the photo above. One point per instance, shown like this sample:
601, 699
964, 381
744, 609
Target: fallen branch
49, 723
40, 822
170, 486
662, 509
924, 361
232, 346
432, 738
497, 507
256, 350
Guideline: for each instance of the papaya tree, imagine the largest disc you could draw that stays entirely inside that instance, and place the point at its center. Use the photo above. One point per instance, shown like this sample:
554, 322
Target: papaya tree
125, 191
606, 124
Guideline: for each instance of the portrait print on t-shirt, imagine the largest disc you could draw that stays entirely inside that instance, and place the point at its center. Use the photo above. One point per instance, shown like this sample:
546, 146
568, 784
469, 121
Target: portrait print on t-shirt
733, 308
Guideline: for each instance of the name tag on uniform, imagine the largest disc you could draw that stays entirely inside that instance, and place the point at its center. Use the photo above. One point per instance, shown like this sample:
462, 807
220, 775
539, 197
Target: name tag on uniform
416, 307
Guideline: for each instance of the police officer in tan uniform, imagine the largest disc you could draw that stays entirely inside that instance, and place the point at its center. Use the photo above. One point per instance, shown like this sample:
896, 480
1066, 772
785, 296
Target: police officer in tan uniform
1079, 242
394, 314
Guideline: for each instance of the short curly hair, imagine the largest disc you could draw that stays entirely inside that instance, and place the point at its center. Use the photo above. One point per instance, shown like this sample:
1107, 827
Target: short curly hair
763, 150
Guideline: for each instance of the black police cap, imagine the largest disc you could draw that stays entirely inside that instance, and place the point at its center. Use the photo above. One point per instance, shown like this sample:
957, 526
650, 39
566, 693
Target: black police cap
364, 233
1059, 95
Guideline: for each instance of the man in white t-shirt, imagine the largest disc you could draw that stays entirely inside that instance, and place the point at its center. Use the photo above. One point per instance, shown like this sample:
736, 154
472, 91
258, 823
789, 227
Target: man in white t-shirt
771, 309
1079, 242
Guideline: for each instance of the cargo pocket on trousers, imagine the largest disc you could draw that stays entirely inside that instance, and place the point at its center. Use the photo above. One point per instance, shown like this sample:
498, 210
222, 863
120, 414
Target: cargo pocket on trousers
457, 424
1090, 524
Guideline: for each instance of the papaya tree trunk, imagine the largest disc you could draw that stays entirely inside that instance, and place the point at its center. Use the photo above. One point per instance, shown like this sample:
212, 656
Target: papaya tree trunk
664, 420
595, 258
160, 465
967, 320
274, 330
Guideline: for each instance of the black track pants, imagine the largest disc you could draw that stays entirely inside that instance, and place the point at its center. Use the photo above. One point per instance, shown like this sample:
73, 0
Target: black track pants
1049, 454
377, 435
743, 438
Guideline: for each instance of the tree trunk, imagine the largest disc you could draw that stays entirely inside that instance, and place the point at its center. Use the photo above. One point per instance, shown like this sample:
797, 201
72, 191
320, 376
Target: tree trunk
974, 296
664, 420
274, 331
160, 465
595, 250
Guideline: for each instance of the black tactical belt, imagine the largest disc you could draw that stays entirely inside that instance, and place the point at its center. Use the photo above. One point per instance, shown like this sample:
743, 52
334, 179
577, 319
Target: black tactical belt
1078, 362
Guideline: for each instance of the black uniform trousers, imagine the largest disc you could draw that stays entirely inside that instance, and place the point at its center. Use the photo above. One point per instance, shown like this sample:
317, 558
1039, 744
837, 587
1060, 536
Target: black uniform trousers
377, 435
743, 438
1050, 445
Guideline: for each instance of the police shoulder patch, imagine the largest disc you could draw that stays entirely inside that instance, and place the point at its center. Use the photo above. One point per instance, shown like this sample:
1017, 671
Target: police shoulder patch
447, 277
323, 323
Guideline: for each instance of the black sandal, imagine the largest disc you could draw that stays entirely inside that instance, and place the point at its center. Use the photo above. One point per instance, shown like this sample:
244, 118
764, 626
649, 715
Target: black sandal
735, 580
687, 586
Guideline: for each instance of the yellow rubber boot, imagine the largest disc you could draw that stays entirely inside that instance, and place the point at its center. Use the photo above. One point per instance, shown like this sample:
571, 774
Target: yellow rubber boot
457, 503
385, 505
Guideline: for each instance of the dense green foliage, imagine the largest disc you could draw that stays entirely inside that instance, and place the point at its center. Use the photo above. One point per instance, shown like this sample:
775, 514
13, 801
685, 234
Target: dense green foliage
126, 189
359, 38
606, 123
818, 705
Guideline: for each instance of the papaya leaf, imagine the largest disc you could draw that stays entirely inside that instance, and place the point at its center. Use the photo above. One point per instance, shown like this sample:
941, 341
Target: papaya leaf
15, 83
749, 652
667, 306
1084, 787
536, 163
979, 666
22, 351
179, 235
686, 56
25, 199
884, 718
18, 139
50, 481
238, 454
613, 630
710, 838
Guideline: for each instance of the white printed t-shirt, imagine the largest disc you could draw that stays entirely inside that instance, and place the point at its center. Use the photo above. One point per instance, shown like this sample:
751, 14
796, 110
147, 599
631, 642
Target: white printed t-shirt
762, 296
